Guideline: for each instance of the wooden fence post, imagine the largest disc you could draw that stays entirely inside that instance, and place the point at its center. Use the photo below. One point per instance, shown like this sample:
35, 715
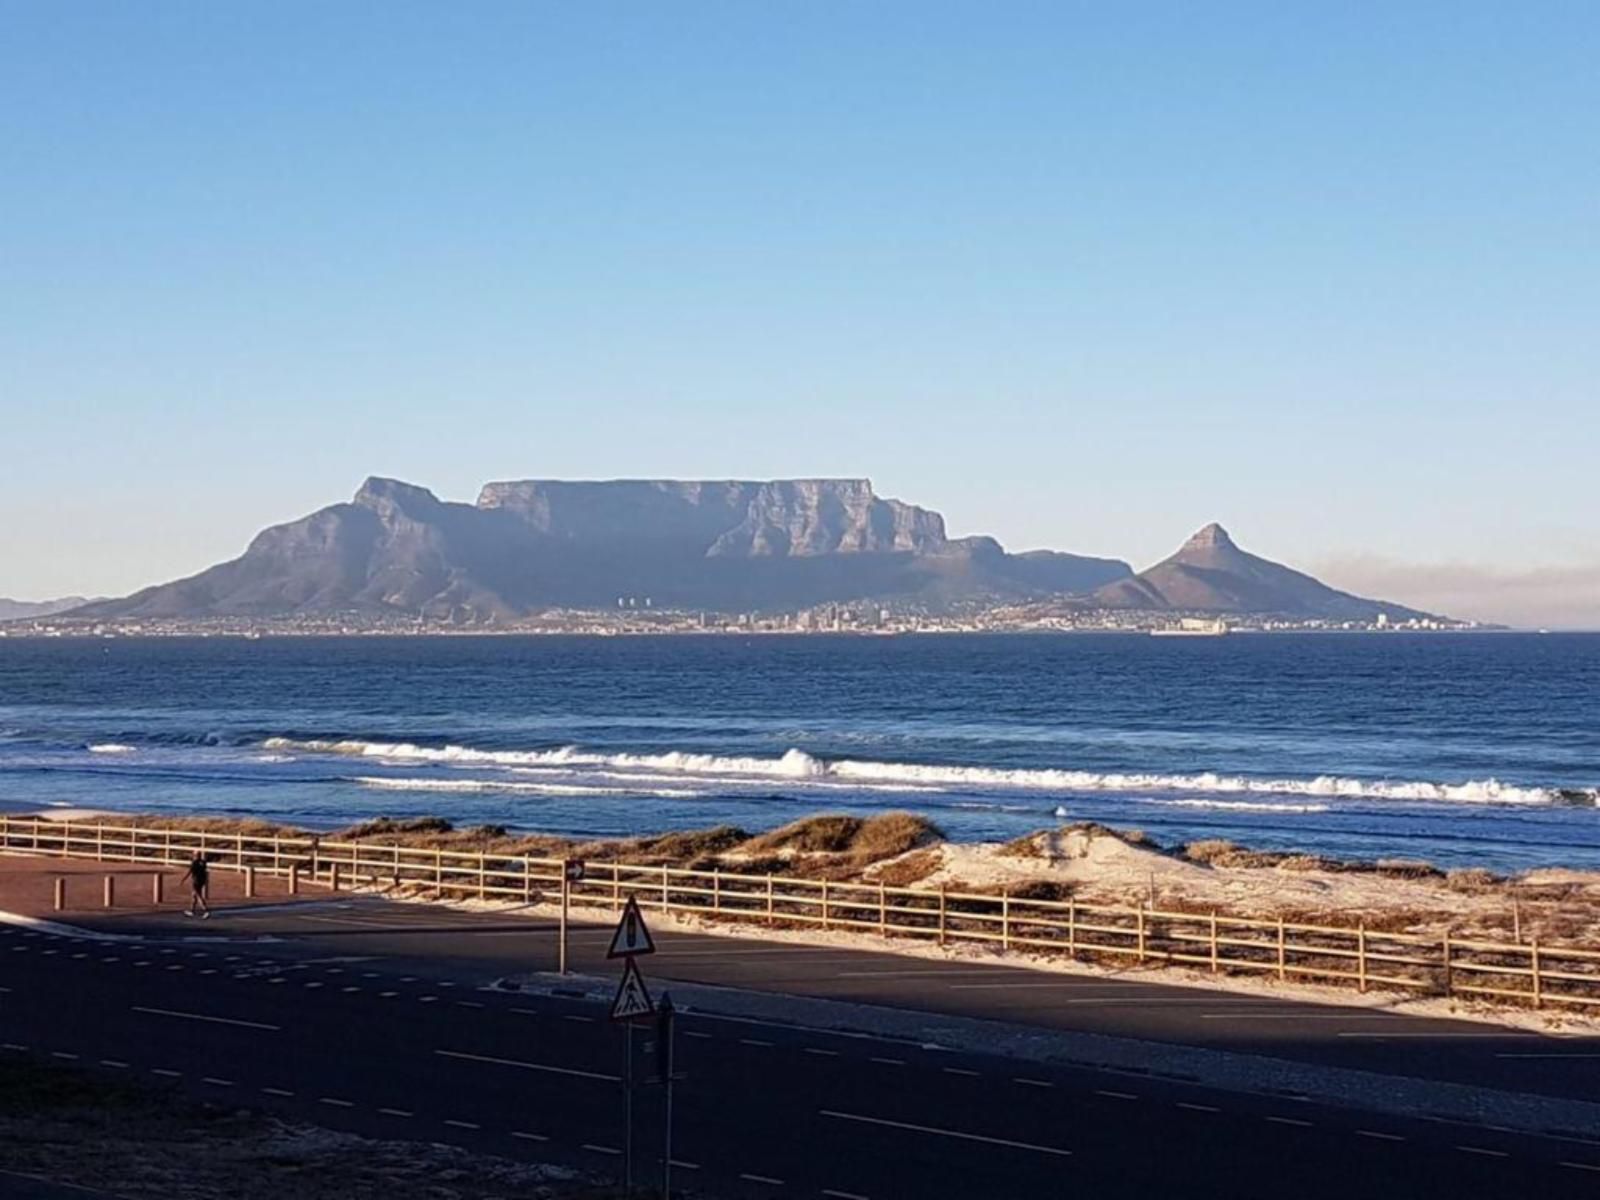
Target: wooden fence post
527, 878
666, 900
1005, 920
883, 910
943, 907
438, 871
1538, 987
616, 887
294, 879
1214, 964
1141, 933
770, 910
111, 891
277, 854
250, 882
60, 893
156, 888
824, 904
1449, 968
716, 889
1283, 953
1361, 956
483, 876
99, 842
239, 851
333, 877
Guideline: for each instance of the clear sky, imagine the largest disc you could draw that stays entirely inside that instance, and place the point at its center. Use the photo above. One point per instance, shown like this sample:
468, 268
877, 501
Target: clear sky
1084, 276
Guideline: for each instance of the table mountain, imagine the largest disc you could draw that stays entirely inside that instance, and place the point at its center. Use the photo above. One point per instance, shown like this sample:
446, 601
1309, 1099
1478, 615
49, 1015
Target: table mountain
535, 544
1211, 574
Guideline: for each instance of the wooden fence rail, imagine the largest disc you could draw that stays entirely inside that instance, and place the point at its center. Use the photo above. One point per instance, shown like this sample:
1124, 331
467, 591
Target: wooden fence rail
1531, 974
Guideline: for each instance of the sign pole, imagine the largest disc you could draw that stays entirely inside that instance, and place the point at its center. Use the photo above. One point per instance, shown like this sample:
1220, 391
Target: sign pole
664, 1049
566, 892
627, 1115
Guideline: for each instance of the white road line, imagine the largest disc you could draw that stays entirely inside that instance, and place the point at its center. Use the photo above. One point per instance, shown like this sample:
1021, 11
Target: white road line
215, 1082
687, 1166
12, 1046
426, 999
888, 1062
189, 1016
1205, 1108
1578, 1166
335, 1102
809, 1050
62, 1054
949, 1133
843, 1195
266, 1091
768, 1179
528, 1066
959, 1071
575, 1017
113, 1062
1025, 1082
1115, 1095
601, 1149
529, 1137
1295, 1121
395, 1112
1379, 1135
1483, 1150
1547, 1055
387, 995
468, 1004
462, 1125
753, 1042
167, 1073
351, 988
1347, 1033
695, 1033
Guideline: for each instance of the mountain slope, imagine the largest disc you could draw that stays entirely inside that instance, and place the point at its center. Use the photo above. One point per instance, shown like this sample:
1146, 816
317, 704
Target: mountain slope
23, 610
1211, 574
533, 544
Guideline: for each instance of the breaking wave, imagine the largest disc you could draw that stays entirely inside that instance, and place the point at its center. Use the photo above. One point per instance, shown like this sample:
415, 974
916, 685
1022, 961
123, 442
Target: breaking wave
798, 768
112, 748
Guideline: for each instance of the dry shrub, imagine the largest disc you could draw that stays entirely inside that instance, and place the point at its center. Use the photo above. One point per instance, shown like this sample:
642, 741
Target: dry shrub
1026, 846
891, 834
828, 833
1217, 852
1405, 868
1040, 889
910, 868
1472, 880
389, 827
688, 845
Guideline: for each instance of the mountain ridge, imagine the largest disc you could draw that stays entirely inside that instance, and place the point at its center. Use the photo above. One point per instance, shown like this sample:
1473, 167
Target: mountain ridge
535, 545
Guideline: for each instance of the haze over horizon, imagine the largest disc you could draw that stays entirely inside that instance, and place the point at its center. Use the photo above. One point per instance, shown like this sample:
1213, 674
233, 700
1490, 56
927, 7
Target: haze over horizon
1078, 279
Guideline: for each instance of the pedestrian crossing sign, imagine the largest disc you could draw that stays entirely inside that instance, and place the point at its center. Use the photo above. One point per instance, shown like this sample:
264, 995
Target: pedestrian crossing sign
631, 936
633, 998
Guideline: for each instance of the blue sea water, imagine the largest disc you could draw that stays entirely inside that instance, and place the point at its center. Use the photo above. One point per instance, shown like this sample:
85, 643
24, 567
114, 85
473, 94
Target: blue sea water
1461, 749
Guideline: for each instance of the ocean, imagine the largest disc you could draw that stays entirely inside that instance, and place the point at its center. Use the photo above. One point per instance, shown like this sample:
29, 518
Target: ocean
1460, 749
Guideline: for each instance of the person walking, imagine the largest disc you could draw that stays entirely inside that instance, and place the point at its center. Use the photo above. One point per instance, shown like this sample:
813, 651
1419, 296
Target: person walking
199, 877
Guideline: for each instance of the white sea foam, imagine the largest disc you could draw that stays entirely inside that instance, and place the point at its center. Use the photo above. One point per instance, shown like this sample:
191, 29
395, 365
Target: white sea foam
111, 748
1242, 806
479, 786
797, 769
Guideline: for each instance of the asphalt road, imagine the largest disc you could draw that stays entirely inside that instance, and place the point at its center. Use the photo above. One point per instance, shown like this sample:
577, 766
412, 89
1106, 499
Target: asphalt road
384, 1031
476, 948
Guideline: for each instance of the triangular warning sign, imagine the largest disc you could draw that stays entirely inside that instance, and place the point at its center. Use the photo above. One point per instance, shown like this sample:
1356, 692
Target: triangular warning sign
631, 936
633, 998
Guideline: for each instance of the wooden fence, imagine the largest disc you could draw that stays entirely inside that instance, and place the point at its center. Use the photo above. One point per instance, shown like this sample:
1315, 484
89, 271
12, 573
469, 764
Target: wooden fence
1528, 973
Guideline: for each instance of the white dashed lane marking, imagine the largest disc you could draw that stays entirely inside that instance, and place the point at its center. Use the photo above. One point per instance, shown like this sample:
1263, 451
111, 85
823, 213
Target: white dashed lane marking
1379, 1136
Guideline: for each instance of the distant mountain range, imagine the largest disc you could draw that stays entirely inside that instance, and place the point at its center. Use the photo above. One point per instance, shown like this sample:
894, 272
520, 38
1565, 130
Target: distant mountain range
22, 610
723, 546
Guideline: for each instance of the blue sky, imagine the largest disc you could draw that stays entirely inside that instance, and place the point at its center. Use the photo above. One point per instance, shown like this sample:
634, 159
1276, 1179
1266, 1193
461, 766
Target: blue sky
1084, 276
